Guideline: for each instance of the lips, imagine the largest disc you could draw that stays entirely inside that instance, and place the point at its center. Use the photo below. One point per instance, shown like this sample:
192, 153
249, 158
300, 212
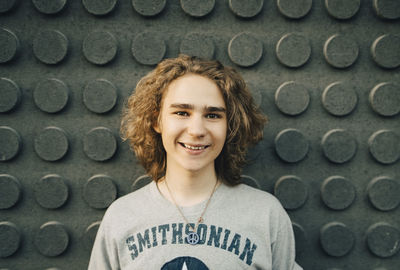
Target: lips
194, 146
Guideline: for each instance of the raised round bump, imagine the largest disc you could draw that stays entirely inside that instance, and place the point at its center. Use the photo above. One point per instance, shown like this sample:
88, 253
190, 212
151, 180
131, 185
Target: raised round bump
336, 239
148, 48
10, 191
339, 99
51, 144
197, 8
339, 146
50, 46
100, 96
52, 239
292, 98
245, 57
293, 50
291, 192
340, 51
10, 143
100, 191
100, 47
51, 95
10, 95
100, 144
9, 45
385, 99
386, 51
51, 191
10, 239
342, 9
291, 145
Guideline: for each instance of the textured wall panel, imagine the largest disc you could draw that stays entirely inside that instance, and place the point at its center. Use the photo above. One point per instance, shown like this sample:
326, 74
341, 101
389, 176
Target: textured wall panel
325, 71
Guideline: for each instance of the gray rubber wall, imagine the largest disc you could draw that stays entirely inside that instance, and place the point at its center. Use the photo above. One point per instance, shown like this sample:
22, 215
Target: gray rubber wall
325, 72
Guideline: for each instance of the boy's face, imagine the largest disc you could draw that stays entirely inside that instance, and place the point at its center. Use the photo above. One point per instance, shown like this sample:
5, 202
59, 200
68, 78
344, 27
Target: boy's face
192, 123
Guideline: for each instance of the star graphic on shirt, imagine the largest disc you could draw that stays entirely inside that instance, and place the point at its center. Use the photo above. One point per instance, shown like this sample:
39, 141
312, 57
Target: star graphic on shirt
184, 263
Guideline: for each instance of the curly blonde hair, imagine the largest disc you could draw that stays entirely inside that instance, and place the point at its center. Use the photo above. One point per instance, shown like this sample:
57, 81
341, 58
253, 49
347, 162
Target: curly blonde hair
142, 109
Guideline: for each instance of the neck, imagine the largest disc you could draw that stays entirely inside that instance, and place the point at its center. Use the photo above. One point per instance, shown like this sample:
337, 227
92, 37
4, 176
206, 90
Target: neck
188, 188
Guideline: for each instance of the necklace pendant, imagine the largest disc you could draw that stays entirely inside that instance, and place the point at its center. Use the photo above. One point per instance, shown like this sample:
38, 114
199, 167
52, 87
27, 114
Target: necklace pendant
192, 238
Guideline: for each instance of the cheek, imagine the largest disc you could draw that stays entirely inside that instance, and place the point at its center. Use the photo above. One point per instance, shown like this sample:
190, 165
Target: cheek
222, 134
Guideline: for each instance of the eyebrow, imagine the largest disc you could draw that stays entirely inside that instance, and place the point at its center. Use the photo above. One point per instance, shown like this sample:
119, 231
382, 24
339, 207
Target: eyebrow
191, 107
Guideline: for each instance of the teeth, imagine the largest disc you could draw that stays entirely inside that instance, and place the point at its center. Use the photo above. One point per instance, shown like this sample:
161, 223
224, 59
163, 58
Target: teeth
194, 147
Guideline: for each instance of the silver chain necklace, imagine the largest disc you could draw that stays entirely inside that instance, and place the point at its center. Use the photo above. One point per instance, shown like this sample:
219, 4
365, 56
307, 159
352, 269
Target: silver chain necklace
193, 237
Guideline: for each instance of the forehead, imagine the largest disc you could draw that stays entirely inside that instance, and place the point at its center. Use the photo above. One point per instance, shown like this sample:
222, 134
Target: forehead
195, 90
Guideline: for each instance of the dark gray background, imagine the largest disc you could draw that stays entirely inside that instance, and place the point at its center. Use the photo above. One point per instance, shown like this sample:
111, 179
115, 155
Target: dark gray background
325, 72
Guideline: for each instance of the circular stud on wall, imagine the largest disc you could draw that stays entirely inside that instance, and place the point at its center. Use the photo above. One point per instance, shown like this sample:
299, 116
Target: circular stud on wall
100, 144
10, 191
51, 95
52, 239
385, 51
10, 239
51, 191
10, 143
294, 9
148, 48
385, 99
100, 191
383, 193
387, 9
51, 144
340, 51
250, 181
90, 235
140, 182
291, 145
384, 146
292, 98
301, 238
9, 45
342, 9
339, 146
245, 50
336, 239
100, 47
50, 46
148, 8
6, 6
248, 9
10, 95
198, 44
339, 99
99, 7
197, 8
100, 96
293, 50
49, 6
337, 192
291, 192
383, 239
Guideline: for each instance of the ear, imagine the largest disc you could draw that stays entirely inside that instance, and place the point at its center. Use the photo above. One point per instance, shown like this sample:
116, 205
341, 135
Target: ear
157, 128
157, 125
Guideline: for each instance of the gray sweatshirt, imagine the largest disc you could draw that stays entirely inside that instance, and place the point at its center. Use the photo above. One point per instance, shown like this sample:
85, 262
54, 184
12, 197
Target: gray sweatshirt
243, 228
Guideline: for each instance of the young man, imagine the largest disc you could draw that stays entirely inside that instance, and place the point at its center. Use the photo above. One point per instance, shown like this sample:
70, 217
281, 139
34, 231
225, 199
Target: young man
190, 122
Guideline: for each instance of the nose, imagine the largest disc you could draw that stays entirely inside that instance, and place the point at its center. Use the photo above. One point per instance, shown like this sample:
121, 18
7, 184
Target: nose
196, 126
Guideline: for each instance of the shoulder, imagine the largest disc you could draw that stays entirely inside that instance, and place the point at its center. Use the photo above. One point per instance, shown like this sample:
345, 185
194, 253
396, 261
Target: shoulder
130, 203
249, 193
260, 201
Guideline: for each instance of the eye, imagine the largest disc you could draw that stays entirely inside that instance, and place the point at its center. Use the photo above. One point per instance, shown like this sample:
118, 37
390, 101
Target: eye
213, 116
182, 113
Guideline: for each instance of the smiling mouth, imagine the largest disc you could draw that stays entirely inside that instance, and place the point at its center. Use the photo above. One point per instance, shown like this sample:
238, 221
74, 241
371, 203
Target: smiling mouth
194, 147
